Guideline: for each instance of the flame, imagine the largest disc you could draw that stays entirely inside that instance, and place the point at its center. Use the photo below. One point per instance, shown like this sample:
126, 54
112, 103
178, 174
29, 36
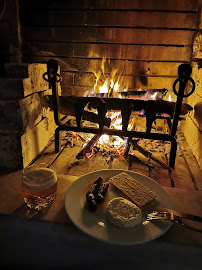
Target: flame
103, 139
113, 141
154, 95
169, 98
116, 87
116, 119
107, 82
118, 124
142, 112
104, 88
110, 83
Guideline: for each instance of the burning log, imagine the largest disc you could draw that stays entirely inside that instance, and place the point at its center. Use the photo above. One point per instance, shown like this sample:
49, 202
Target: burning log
85, 150
162, 107
149, 154
151, 108
140, 160
88, 146
74, 106
144, 94
71, 105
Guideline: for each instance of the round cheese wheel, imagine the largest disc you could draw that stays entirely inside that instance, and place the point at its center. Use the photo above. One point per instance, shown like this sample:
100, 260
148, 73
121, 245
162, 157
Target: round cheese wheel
123, 213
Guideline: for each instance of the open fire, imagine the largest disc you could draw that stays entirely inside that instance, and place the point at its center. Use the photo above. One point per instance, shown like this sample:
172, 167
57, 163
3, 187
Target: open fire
113, 85
132, 106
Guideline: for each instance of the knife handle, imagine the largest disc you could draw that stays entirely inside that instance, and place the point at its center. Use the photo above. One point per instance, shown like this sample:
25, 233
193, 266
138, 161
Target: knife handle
191, 217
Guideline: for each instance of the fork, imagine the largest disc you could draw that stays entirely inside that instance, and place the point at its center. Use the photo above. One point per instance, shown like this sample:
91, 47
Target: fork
165, 215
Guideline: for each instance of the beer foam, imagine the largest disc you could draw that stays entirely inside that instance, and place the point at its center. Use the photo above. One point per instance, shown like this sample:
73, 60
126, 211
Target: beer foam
39, 179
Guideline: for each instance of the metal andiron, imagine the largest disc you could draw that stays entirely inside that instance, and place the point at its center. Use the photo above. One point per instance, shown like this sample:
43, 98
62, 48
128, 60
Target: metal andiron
152, 109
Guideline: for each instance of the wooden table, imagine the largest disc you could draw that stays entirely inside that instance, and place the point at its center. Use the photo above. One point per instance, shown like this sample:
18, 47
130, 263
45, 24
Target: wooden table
52, 241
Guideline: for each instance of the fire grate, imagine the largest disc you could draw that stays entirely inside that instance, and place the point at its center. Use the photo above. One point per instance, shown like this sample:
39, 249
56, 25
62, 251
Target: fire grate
127, 106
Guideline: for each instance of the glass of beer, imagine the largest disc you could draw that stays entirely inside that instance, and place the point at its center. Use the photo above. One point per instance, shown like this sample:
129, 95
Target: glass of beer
39, 185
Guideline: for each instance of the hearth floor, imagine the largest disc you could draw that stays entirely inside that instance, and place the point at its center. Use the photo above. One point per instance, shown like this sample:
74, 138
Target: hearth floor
186, 174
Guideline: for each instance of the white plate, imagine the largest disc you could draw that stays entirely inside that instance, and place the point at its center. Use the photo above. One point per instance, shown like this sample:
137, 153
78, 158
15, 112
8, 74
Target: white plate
95, 223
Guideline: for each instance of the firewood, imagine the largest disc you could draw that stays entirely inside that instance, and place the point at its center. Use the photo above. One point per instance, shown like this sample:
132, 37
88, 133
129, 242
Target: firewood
67, 104
88, 146
148, 154
140, 160
70, 105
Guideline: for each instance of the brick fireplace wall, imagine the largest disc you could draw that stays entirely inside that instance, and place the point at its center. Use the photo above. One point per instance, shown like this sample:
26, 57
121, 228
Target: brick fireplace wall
27, 123
145, 40
192, 127
10, 32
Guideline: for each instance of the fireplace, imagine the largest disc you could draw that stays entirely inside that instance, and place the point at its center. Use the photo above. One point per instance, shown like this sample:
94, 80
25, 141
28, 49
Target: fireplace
105, 103
145, 42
